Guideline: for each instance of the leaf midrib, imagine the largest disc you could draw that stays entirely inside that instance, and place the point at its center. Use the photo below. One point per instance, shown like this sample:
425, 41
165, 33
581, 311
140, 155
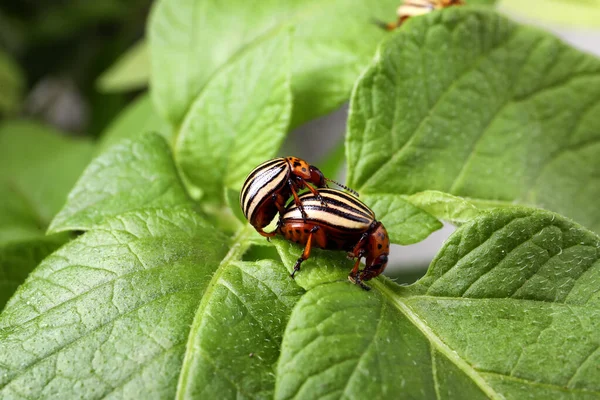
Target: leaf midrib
239, 245
435, 341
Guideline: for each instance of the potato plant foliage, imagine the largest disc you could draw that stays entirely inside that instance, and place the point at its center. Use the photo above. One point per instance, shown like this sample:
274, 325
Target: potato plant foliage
460, 115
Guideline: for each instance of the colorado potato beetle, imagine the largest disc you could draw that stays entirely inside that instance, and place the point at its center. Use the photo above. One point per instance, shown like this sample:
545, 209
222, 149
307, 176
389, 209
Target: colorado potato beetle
341, 223
413, 8
269, 186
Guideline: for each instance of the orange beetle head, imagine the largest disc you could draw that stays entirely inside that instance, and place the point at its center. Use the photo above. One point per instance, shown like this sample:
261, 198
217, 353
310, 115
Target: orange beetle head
299, 167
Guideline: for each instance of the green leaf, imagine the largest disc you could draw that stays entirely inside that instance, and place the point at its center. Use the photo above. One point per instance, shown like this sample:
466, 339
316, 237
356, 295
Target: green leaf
190, 40
109, 313
513, 116
19, 257
508, 309
40, 165
239, 120
138, 118
405, 223
130, 72
133, 175
444, 206
572, 13
37, 169
237, 332
12, 82
323, 266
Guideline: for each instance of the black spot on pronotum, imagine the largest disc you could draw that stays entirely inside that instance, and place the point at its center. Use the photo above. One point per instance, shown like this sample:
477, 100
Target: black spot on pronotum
296, 164
298, 231
303, 169
306, 231
379, 246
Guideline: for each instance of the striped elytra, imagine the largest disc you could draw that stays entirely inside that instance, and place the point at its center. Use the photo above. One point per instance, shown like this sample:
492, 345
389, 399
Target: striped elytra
341, 211
261, 183
337, 221
269, 186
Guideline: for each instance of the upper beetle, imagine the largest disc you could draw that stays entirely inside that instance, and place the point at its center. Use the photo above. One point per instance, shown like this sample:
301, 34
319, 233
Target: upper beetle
269, 186
338, 221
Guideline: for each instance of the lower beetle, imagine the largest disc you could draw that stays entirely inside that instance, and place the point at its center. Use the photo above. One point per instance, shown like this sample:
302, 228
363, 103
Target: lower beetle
341, 223
269, 186
413, 8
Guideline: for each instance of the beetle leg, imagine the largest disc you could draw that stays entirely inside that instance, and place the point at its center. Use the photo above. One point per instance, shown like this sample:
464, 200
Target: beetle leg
355, 274
297, 200
306, 252
280, 204
279, 201
316, 193
266, 234
359, 248
355, 271
389, 26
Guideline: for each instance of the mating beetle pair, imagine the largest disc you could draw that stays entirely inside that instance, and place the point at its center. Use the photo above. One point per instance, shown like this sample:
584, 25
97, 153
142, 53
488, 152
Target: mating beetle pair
322, 217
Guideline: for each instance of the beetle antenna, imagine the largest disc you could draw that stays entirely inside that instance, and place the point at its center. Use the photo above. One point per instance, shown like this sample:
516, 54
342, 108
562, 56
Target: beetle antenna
354, 192
383, 25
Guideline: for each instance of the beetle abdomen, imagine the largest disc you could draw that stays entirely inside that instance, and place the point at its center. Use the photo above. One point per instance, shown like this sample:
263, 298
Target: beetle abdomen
260, 185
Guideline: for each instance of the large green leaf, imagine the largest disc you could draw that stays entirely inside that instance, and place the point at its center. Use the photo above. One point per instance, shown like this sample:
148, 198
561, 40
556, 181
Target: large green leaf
37, 169
510, 308
131, 71
121, 297
190, 40
237, 331
512, 116
133, 175
239, 120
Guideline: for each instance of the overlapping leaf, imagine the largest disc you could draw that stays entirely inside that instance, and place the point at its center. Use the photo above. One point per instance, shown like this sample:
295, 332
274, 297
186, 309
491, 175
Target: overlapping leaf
508, 309
333, 40
512, 116
239, 120
131, 71
135, 175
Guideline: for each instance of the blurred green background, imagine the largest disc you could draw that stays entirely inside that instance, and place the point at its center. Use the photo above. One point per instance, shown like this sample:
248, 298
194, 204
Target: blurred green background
52, 54
75, 64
